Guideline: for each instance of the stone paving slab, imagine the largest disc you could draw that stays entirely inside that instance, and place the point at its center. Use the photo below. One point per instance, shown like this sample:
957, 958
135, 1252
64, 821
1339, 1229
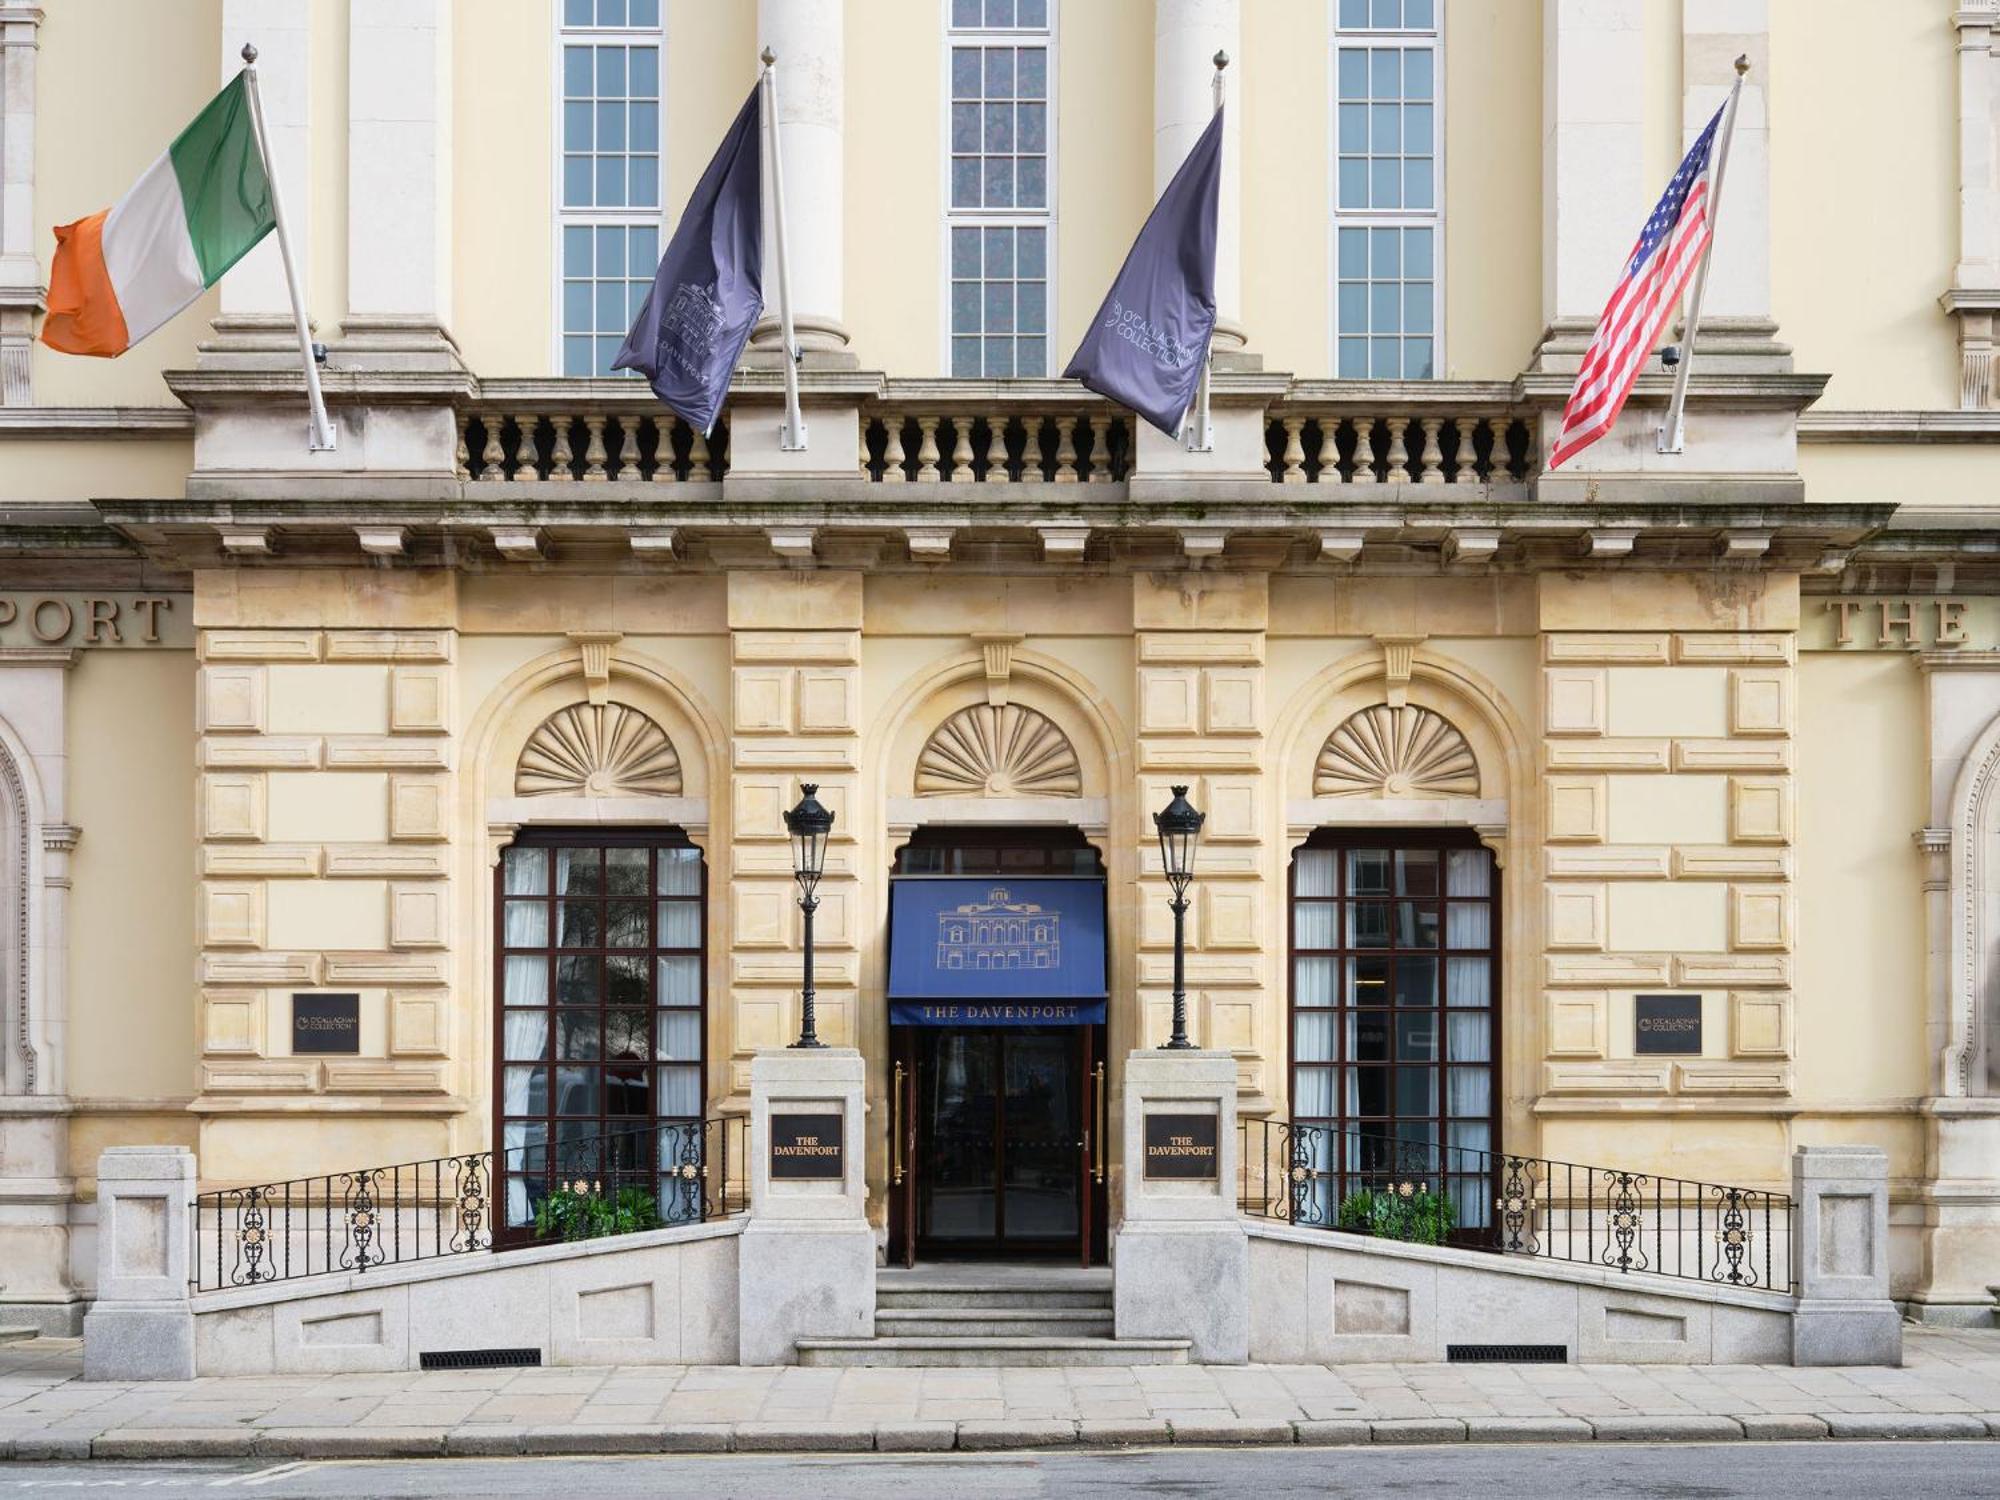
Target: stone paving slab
1949, 1389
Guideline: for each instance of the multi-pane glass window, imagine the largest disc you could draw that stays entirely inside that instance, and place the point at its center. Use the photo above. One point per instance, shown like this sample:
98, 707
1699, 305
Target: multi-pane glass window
1000, 188
1393, 975
601, 1014
1387, 188
609, 188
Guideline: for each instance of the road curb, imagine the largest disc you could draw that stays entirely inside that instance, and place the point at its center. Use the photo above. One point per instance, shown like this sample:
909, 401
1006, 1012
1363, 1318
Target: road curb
490, 1441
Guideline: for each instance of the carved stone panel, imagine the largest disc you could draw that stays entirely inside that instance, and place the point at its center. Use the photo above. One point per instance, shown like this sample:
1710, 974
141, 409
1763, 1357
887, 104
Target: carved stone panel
1004, 751
598, 750
1396, 752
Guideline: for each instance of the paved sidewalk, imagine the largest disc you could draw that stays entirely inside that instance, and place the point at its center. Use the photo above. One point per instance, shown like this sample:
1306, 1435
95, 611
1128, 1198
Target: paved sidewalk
1948, 1388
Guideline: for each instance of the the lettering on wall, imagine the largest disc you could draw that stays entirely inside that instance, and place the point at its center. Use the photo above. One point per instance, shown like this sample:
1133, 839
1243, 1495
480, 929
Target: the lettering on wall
806, 1146
1667, 1025
107, 619
1182, 1146
326, 1023
1899, 622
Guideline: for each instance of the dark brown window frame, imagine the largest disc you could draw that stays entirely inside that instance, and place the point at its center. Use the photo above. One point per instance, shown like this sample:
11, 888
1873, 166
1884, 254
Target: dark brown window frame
632, 1157
1338, 841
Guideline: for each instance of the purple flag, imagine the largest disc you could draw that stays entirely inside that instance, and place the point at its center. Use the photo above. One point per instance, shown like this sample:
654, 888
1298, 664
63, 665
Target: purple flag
1149, 342
710, 286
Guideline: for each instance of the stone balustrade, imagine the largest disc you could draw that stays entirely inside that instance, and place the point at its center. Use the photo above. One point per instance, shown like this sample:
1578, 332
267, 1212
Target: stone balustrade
1006, 432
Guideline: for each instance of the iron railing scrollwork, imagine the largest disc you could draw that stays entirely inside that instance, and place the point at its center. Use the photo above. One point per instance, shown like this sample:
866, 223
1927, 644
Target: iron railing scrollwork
1633, 1222
354, 1221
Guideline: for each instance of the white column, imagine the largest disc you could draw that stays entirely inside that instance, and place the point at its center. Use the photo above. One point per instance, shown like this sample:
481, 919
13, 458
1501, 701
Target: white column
399, 175
1186, 36
809, 38
1973, 298
1714, 33
21, 290
254, 297
1593, 180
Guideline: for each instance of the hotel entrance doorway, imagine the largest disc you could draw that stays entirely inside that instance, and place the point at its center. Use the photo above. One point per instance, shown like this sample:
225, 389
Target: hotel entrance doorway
997, 1042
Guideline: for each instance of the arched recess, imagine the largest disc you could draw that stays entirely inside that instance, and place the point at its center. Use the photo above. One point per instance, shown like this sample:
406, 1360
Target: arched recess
1495, 797
21, 1066
1967, 1035
493, 809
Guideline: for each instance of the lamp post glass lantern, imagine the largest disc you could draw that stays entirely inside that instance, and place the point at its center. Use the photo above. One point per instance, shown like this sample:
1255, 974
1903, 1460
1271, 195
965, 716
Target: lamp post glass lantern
1179, 826
808, 824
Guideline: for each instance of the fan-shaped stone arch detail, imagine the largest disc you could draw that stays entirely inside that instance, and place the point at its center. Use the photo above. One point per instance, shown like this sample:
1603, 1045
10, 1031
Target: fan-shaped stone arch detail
998, 751
1396, 752
598, 750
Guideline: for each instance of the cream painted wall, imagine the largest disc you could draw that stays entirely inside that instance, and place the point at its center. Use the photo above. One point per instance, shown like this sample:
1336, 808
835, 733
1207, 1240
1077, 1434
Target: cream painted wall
503, 233
132, 923
893, 226
1864, 184
326, 255
61, 470
1861, 780
1899, 473
158, 64
1492, 188
1104, 167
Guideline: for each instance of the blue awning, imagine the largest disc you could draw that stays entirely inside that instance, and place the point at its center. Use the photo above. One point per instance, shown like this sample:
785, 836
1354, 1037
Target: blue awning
989, 951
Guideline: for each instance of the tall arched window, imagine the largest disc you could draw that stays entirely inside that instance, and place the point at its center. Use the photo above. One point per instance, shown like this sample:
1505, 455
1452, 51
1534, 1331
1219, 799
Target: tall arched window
602, 993
1394, 1041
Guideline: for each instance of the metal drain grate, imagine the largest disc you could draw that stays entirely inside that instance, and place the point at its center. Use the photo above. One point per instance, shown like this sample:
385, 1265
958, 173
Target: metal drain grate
1511, 1354
478, 1359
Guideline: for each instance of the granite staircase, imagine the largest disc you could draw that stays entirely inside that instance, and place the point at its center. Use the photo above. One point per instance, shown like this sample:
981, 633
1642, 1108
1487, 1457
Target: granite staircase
979, 1315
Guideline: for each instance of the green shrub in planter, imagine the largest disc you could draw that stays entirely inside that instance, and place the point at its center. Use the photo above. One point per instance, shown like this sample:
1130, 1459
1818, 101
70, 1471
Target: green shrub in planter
580, 1211
1407, 1211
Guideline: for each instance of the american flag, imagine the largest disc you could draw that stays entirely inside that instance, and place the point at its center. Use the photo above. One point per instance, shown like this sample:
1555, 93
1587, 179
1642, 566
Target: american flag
1669, 249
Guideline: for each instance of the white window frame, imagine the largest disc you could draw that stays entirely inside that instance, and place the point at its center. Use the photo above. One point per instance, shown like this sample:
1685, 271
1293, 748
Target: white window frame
995, 218
1433, 219
561, 217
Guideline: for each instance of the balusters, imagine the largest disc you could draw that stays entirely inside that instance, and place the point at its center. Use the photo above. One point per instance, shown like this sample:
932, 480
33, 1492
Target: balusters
492, 457
892, 450
1364, 451
961, 449
1326, 453
1498, 465
461, 466
525, 457
996, 449
1294, 456
663, 451
927, 450
1430, 468
593, 451
1065, 450
1100, 449
1461, 471
1399, 450
698, 462
560, 456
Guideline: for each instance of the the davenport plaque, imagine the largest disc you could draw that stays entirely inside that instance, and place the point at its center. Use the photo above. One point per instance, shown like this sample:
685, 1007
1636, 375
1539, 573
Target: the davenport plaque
806, 1146
326, 1023
1181, 1146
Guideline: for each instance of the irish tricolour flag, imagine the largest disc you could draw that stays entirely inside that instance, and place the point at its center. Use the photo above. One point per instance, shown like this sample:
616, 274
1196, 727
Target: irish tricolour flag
192, 215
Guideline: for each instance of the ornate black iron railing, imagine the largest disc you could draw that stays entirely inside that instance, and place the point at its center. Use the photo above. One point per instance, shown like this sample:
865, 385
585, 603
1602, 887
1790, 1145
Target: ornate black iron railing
1602, 1216
670, 1173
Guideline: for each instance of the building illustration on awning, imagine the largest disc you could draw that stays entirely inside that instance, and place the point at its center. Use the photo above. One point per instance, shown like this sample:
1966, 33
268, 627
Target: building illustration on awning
999, 933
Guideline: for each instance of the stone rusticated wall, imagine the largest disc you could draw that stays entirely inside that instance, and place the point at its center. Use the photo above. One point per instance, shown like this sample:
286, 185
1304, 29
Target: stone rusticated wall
1667, 715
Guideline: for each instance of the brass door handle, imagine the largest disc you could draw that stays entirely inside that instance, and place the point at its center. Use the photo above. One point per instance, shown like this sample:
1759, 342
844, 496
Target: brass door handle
1103, 1118
896, 1129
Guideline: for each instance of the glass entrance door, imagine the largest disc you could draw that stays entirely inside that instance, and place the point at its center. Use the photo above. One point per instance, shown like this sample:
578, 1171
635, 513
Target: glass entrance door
1000, 1139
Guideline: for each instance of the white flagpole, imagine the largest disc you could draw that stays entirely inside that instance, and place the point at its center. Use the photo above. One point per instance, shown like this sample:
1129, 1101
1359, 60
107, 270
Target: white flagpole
792, 436
1201, 437
319, 432
1673, 432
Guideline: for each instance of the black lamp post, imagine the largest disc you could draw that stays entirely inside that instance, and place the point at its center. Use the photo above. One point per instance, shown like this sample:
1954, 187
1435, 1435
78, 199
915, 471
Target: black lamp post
808, 824
1180, 830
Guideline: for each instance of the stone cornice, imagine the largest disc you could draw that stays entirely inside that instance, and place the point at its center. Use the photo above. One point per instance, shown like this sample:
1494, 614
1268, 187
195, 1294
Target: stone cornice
95, 422
1899, 426
1745, 389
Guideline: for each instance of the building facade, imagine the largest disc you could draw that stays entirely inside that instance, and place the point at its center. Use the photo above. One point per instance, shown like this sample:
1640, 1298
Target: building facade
426, 796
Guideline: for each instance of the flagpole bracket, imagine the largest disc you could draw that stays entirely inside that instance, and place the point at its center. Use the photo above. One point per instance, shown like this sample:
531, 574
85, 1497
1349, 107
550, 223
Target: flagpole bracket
314, 445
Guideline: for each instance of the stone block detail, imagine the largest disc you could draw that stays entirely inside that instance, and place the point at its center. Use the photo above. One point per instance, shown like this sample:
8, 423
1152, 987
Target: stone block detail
1577, 1023
1617, 648
232, 805
418, 807
1760, 1023
420, 700
1759, 918
1575, 916
1609, 755
419, 1023
260, 645
1760, 809
1760, 702
233, 700
232, 914
232, 1022
1574, 702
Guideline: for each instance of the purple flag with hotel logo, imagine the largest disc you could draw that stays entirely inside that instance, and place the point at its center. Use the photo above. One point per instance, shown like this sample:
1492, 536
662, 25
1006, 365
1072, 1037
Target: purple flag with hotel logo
710, 286
1149, 342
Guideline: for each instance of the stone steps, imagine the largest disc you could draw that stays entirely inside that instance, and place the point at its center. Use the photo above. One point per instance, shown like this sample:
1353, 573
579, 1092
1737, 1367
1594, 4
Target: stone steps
992, 1322
959, 1353
18, 1335
927, 1294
